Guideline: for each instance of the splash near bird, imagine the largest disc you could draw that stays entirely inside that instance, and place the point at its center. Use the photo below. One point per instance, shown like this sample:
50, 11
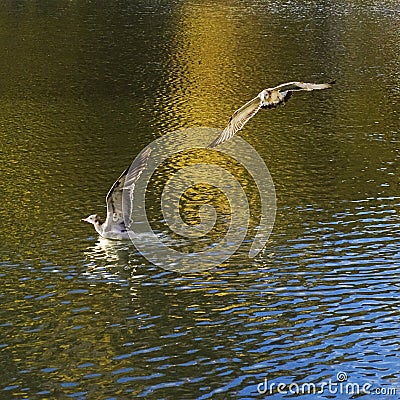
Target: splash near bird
268, 98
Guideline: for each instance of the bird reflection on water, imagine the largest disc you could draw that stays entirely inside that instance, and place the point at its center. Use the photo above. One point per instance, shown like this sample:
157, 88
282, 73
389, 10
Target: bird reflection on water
111, 261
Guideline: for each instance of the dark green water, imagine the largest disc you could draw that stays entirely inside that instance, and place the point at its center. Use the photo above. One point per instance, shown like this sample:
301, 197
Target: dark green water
85, 85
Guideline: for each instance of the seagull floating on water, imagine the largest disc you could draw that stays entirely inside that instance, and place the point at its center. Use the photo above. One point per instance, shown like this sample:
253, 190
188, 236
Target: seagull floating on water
268, 98
114, 226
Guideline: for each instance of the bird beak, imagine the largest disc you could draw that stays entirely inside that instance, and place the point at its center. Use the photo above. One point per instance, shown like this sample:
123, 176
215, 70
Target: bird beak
85, 219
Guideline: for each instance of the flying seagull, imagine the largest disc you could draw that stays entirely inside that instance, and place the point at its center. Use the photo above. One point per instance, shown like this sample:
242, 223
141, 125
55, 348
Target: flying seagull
114, 226
268, 98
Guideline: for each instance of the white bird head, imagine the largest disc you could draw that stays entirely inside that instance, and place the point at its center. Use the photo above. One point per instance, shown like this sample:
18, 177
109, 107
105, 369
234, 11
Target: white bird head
93, 219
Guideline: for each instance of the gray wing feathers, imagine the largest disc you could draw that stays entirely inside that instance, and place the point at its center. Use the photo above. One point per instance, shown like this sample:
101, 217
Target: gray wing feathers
238, 120
127, 180
295, 86
137, 168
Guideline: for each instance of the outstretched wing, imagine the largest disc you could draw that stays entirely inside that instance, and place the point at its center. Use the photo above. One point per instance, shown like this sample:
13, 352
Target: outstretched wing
238, 120
127, 180
296, 86
268, 98
281, 94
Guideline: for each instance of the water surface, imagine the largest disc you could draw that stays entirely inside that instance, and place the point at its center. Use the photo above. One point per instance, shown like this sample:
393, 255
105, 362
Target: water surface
85, 86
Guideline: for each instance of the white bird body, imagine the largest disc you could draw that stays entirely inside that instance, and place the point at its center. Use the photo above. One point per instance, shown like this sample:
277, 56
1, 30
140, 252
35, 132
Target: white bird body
114, 225
108, 229
268, 98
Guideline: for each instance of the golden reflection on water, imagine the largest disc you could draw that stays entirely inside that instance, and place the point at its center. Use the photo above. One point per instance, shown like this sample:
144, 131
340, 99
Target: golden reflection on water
205, 51
204, 83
